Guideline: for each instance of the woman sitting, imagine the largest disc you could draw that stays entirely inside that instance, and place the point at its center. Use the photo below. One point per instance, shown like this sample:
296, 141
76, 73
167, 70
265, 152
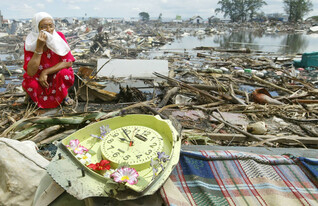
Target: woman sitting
48, 64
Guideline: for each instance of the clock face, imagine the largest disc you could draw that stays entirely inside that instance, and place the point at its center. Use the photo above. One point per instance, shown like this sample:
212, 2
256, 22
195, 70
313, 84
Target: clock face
133, 145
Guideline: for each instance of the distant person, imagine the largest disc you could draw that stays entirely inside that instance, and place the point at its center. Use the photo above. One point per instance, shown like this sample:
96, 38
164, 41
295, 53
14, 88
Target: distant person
48, 64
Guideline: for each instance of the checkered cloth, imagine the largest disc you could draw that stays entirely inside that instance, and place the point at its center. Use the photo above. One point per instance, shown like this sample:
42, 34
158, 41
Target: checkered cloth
240, 178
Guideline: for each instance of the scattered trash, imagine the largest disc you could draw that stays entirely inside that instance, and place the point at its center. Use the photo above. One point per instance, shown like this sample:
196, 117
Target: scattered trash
220, 95
257, 128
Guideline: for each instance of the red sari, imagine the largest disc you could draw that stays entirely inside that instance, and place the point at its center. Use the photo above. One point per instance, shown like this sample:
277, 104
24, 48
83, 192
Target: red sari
59, 82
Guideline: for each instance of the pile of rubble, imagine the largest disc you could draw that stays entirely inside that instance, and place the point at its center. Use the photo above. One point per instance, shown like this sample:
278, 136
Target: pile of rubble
219, 96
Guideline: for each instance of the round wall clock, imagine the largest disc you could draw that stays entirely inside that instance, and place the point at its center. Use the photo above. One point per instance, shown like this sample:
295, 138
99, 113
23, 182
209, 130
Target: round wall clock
145, 144
134, 145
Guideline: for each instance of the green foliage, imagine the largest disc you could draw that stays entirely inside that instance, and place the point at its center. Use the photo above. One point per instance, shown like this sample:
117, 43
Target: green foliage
297, 9
239, 10
144, 16
315, 18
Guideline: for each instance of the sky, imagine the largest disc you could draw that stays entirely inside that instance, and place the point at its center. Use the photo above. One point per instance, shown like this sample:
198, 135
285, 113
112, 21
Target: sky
21, 9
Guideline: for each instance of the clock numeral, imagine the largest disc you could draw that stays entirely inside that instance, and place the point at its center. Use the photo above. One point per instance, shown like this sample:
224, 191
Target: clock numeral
116, 154
138, 156
110, 140
153, 145
126, 157
121, 151
149, 152
146, 133
115, 134
153, 138
111, 147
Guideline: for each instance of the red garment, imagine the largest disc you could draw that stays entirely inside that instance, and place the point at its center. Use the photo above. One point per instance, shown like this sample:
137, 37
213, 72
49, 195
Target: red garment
59, 82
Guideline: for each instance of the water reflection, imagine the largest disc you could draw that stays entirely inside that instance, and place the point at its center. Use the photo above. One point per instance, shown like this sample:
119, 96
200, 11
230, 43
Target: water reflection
266, 42
240, 39
295, 42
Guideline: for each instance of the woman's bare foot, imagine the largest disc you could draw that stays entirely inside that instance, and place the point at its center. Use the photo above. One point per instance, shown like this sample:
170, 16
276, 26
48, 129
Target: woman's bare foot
68, 101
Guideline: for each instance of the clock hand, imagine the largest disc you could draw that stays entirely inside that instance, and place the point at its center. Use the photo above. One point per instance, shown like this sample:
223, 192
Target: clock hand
130, 142
132, 137
126, 133
123, 139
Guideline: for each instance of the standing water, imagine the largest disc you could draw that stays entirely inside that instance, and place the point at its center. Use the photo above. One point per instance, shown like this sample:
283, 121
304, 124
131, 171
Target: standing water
280, 43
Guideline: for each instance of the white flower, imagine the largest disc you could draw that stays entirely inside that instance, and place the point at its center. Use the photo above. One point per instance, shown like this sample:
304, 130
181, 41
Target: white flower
66, 77
45, 98
84, 158
54, 76
109, 172
48, 55
60, 88
30, 89
40, 67
53, 91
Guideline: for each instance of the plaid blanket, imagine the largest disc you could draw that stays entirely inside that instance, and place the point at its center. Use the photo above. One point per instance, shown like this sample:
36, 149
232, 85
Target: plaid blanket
240, 178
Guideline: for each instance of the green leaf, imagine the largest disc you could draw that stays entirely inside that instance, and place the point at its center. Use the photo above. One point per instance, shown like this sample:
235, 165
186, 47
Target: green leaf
28, 131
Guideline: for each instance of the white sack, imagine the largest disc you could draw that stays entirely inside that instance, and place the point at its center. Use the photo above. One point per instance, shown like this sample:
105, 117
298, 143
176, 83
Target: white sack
21, 169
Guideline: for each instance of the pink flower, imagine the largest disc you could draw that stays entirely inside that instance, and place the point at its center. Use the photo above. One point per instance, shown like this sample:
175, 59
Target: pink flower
76, 147
125, 174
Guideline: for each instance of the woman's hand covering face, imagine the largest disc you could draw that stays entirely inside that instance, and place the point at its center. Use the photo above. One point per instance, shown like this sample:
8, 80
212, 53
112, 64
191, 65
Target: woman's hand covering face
45, 24
42, 39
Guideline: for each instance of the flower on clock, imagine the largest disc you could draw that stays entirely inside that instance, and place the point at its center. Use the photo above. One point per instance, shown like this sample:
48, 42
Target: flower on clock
154, 164
75, 146
103, 131
84, 158
100, 166
109, 172
162, 156
125, 174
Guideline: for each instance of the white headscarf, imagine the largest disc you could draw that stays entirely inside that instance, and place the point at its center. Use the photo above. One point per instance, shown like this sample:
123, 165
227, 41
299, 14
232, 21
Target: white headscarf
54, 41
